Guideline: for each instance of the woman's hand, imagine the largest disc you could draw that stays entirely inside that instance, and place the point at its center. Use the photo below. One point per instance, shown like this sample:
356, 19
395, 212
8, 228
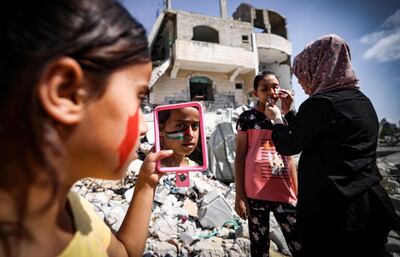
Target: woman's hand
148, 175
286, 97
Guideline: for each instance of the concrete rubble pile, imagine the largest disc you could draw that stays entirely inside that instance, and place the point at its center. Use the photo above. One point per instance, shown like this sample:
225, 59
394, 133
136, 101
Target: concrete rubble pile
195, 221
200, 220
221, 140
389, 167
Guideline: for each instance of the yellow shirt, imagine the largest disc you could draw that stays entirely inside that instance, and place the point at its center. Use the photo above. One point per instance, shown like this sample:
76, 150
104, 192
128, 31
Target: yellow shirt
92, 235
190, 162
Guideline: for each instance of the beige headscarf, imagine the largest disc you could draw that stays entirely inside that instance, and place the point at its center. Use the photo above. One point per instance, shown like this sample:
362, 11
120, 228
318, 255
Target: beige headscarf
325, 65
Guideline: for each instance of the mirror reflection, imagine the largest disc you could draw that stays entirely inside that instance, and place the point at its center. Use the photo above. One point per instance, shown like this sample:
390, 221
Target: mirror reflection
179, 130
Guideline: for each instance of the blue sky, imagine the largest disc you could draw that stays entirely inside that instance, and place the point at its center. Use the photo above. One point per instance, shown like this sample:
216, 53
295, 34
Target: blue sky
371, 28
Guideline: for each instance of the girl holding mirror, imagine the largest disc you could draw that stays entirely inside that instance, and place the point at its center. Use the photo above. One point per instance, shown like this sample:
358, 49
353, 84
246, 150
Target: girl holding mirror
73, 74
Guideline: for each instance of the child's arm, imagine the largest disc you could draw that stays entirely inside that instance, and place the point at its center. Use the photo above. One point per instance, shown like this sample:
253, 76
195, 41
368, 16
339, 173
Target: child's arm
293, 173
131, 237
241, 148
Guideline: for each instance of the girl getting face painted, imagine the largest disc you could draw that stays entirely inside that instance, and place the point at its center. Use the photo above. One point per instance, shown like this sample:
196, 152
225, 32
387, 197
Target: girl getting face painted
179, 131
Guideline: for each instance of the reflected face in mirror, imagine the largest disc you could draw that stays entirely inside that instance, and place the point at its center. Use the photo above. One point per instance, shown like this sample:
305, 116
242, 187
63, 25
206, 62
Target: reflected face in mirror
179, 131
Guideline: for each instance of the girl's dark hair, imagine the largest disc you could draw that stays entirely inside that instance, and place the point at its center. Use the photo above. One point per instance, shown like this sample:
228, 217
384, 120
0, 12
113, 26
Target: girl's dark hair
99, 34
260, 76
163, 116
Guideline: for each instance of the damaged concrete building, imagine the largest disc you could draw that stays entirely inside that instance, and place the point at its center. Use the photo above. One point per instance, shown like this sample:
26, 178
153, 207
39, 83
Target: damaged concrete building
214, 59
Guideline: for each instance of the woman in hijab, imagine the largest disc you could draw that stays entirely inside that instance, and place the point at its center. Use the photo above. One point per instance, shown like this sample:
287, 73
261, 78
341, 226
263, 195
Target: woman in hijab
341, 204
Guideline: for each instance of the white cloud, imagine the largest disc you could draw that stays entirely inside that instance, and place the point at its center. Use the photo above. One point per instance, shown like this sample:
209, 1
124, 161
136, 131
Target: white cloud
385, 49
385, 43
373, 38
393, 21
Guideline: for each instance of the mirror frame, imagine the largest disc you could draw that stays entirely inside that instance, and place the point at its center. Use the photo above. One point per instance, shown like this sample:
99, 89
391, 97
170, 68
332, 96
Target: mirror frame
199, 106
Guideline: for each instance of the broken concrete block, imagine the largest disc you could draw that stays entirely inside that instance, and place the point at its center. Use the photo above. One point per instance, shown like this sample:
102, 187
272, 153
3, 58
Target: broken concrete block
216, 240
235, 251
222, 152
201, 186
187, 238
178, 212
230, 195
115, 217
243, 231
227, 244
164, 228
190, 207
161, 194
134, 166
164, 249
214, 210
170, 202
188, 233
225, 232
175, 243
129, 194
242, 245
208, 249
188, 227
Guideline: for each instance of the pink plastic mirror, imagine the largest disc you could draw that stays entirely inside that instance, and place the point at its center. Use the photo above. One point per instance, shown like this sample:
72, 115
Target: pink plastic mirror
180, 127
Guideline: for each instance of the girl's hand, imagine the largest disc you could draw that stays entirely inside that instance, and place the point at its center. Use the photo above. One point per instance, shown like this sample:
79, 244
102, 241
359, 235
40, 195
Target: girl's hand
241, 206
286, 97
148, 175
272, 112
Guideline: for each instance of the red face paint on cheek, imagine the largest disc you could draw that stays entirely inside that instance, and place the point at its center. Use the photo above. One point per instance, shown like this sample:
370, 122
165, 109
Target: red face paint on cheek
130, 138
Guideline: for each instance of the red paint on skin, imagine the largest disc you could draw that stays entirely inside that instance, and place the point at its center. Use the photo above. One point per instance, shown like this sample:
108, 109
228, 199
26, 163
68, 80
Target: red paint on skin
130, 139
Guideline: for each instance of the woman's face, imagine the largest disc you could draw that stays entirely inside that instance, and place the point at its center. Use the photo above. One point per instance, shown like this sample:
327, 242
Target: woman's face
107, 139
181, 130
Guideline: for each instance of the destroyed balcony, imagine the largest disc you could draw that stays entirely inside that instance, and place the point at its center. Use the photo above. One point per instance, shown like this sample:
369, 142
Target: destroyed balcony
272, 48
212, 57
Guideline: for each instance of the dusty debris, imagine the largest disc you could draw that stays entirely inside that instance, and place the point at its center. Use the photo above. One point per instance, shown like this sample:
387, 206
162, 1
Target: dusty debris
196, 221
200, 220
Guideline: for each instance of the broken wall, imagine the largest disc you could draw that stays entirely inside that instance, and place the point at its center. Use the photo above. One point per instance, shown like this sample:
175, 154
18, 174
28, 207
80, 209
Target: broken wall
230, 32
169, 90
283, 72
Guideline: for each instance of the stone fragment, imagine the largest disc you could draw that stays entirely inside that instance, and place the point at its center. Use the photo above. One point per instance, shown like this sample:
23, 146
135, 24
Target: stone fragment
214, 210
208, 249
190, 207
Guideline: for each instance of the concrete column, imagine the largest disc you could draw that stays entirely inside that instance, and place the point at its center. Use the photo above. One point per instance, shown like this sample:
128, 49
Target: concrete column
168, 4
223, 9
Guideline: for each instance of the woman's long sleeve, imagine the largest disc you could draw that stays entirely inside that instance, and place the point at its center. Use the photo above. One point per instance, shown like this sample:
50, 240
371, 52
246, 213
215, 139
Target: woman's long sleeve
314, 115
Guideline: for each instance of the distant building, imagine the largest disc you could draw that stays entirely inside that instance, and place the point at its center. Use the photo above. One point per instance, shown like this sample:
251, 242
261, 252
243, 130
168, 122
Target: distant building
386, 124
214, 59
